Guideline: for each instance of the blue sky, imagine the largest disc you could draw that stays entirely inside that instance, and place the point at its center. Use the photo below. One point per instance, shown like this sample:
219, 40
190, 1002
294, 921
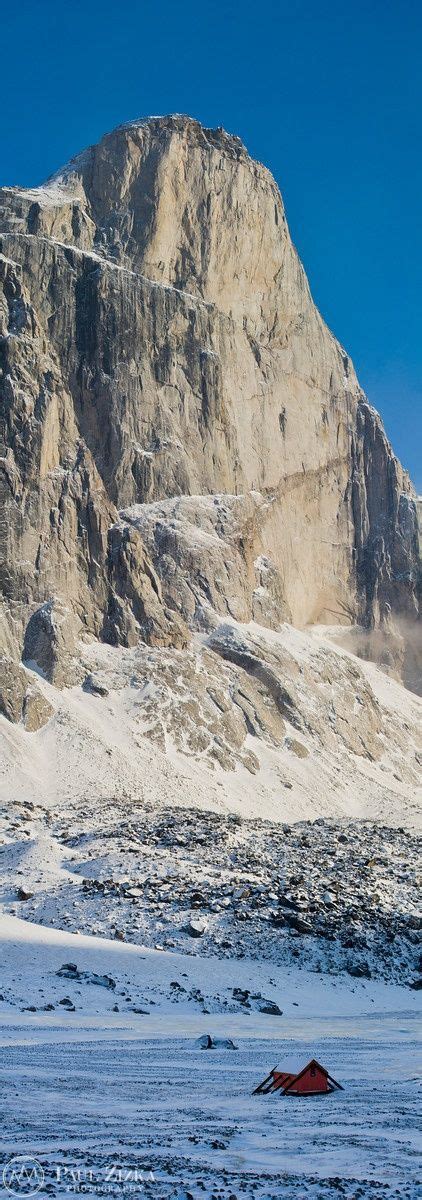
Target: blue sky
327, 94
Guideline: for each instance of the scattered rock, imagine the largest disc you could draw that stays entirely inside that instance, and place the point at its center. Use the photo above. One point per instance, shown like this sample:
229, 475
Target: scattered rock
359, 970
70, 971
94, 685
271, 1008
195, 929
206, 1042
296, 747
24, 894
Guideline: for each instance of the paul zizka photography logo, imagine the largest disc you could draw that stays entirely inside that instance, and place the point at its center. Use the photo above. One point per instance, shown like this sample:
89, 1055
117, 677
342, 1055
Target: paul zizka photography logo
23, 1176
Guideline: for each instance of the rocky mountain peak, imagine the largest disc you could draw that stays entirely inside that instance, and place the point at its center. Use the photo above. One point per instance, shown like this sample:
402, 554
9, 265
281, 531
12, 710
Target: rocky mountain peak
183, 437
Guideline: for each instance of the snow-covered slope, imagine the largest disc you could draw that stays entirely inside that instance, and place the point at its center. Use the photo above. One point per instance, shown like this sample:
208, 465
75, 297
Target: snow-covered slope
184, 987
255, 795
281, 725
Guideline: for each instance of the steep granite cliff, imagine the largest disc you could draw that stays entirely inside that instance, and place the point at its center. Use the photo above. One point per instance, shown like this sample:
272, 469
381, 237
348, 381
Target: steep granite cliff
182, 435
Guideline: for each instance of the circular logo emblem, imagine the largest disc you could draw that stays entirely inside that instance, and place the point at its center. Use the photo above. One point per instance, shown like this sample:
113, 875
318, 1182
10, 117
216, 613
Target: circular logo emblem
23, 1176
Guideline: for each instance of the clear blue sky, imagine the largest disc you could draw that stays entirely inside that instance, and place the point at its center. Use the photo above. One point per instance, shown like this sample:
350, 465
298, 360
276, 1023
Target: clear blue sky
328, 94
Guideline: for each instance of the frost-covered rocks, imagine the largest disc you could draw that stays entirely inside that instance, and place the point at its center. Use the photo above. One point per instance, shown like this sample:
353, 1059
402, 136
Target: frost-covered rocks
70, 971
195, 928
206, 1042
270, 1008
342, 898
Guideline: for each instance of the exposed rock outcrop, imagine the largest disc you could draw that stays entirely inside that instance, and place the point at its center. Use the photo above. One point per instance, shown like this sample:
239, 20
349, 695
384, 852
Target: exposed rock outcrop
161, 354
20, 699
206, 550
50, 644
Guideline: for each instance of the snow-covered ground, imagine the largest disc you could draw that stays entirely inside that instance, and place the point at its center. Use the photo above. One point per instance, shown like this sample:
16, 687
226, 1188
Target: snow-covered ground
181, 875
122, 1102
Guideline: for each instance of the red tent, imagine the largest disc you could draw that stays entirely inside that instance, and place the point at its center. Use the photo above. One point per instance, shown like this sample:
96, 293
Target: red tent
312, 1080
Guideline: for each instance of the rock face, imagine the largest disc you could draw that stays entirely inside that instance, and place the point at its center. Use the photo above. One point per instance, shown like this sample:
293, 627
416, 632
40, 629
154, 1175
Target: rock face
181, 434
20, 699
